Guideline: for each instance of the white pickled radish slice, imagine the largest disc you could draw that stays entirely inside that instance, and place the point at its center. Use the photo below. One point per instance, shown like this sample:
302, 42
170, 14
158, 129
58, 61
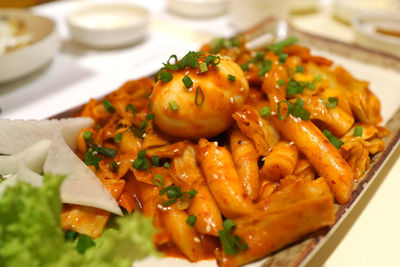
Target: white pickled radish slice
81, 186
17, 135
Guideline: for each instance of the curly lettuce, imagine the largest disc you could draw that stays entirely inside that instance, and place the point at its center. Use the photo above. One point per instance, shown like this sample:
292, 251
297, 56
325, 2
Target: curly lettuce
31, 233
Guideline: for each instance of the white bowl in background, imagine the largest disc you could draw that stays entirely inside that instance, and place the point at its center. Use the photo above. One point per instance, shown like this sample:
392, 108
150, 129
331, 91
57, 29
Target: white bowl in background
109, 25
198, 8
44, 45
378, 30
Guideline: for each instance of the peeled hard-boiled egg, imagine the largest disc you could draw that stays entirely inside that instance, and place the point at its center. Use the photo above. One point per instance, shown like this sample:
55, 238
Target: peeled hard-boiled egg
205, 108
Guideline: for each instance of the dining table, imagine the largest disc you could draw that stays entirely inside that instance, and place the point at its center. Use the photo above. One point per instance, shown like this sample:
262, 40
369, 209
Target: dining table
368, 236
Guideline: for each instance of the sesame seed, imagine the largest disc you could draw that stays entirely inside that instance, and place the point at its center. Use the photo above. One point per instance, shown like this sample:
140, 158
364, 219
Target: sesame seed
273, 113
241, 89
276, 86
176, 150
231, 99
291, 143
187, 72
215, 176
196, 239
205, 153
216, 144
190, 89
208, 228
266, 75
160, 206
144, 135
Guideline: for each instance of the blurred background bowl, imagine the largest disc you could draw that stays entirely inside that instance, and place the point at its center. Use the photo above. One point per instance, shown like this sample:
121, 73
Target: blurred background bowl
42, 45
108, 26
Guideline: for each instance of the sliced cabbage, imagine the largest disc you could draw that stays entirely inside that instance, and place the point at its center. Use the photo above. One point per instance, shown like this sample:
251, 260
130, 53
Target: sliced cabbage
17, 135
81, 186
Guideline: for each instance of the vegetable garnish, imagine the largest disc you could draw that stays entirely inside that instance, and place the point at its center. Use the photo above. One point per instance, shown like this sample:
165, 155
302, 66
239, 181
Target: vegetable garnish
310, 86
332, 102
203, 67
109, 107
231, 78
174, 192
155, 161
105, 151
141, 162
87, 136
130, 107
300, 69
90, 158
244, 67
196, 99
214, 60
158, 180
264, 67
260, 55
150, 116
299, 111
173, 105
187, 81
265, 111
118, 138
293, 87
166, 165
165, 76
84, 242
191, 220
31, 232
336, 142
218, 43
289, 109
281, 82
317, 78
277, 47
282, 58
358, 131
230, 243
113, 166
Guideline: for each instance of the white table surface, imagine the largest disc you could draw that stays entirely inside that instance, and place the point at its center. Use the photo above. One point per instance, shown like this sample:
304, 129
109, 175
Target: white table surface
368, 237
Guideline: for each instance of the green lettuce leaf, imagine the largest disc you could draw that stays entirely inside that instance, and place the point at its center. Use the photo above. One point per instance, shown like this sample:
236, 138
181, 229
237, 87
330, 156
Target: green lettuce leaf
31, 233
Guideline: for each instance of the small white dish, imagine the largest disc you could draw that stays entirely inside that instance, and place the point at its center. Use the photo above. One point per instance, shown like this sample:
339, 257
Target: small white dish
379, 30
43, 44
109, 25
347, 10
198, 8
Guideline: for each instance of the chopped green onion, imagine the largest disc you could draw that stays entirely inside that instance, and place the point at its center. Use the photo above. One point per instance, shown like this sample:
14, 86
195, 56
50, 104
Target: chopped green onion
264, 67
231, 78
166, 165
216, 61
173, 105
235, 41
150, 116
358, 131
282, 58
230, 243
293, 87
105, 151
87, 135
84, 242
130, 107
141, 154
281, 82
216, 45
196, 99
189, 195
109, 107
165, 76
155, 161
260, 55
229, 225
158, 180
191, 220
277, 47
244, 67
289, 109
113, 166
311, 86
299, 111
336, 142
141, 162
203, 67
143, 125
118, 138
317, 77
137, 163
240, 243
172, 57
333, 102
90, 158
265, 111
209, 59
187, 81
300, 69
